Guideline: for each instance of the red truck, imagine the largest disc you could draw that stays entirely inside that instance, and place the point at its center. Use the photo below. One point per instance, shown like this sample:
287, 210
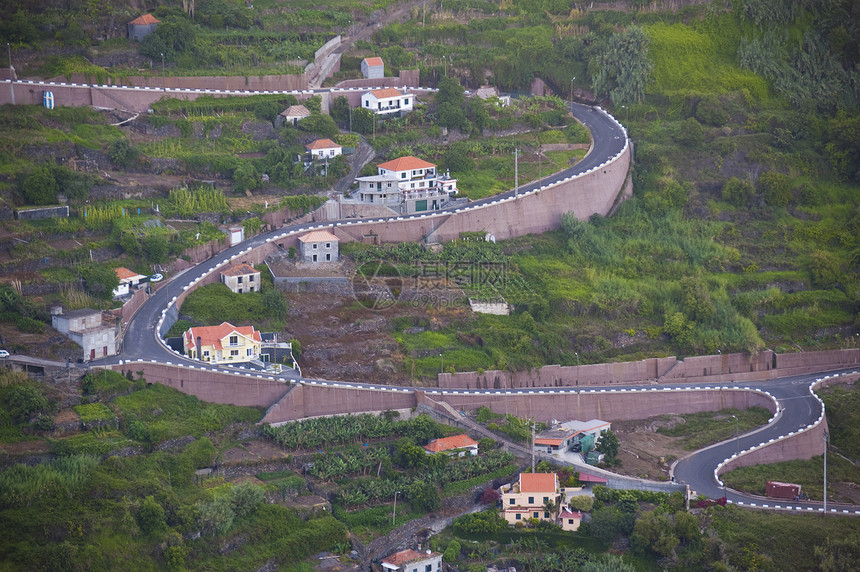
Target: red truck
776, 489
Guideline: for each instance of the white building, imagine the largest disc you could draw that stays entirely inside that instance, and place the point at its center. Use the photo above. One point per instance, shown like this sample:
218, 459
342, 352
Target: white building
407, 185
293, 114
319, 246
84, 327
324, 149
128, 279
372, 68
413, 561
388, 101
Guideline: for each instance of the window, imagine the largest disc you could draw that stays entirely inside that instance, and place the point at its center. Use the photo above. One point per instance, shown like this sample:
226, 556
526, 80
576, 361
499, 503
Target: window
205, 353
239, 280
545, 499
545, 514
531, 500
512, 501
570, 521
403, 175
234, 340
234, 353
428, 568
249, 352
315, 246
536, 514
251, 278
519, 516
240, 290
328, 244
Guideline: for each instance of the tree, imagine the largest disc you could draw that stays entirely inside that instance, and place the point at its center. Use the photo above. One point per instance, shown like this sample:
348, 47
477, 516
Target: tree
423, 496
620, 67
692, 133
363, 120
150, 517
100, 280
246, 177
775, 188
340, 111
275, 303
216, 516
154, 248
450, 91
608, 445
23, 400
121, 153
452, 553
696, 300
582, 503
490, 496
737, 192
245, 498
40, 187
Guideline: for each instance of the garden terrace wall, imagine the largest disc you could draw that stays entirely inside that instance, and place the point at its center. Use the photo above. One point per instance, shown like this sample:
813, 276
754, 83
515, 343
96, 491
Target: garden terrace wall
406, 78
244, 390
306, 400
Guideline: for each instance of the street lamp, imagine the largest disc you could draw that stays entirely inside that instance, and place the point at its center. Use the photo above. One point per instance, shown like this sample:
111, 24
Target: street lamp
626, 114
394, 514
442, 364
571, 87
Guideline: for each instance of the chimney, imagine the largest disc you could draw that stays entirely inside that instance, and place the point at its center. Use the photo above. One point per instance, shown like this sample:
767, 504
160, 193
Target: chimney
199, 350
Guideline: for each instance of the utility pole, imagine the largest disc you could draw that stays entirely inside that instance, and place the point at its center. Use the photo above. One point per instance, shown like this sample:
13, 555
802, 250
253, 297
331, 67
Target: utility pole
516, 172
533, 444
737, 436
394, 514
825, 471
11, 73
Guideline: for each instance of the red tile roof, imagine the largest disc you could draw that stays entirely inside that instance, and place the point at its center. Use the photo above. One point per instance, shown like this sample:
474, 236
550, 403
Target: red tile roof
448, 443
537, 482
321, 144
125, 274
240, 270
567, 513
554, 442
408, 163
212, 335
319, 236
407, 556
145, 20
387, 92
373, 62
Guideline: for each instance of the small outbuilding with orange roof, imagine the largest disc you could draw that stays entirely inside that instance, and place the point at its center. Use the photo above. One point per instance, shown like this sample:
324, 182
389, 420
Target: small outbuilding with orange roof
142, 26
455, 446
372, 68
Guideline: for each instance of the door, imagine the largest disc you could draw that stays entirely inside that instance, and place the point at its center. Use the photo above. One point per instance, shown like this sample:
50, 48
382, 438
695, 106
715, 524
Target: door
93, 353
104, 350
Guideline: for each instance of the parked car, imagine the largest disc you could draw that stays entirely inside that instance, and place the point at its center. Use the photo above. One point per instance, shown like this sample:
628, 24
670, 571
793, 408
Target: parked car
4, 354
156, 278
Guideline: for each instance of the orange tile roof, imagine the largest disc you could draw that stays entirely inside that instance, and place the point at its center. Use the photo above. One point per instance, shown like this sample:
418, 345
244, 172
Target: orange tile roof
240, 270
212, 335
407, 556
373, 62
321, 144
408, 163
448, 443
145, 20
125, 274
555, 442
387, 92
537, 482
319, 236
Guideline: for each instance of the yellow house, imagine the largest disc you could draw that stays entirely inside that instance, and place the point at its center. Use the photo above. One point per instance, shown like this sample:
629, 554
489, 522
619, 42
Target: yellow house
528, 496
222, 344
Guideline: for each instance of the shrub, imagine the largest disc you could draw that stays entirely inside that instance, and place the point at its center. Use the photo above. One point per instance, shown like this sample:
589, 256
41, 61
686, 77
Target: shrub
775, 188
23, 400
150, 517
582, 503
737, 192
40, 187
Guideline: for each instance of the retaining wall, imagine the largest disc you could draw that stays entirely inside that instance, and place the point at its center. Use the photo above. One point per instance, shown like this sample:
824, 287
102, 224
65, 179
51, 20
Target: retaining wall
245, 390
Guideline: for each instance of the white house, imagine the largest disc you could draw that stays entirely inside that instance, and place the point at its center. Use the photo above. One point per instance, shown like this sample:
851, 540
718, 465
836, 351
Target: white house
372, 68
128, 279
324, 149
407, 184
241, 278
413, 561
388, 101
85, 328
455, 446
319, 246
293, 114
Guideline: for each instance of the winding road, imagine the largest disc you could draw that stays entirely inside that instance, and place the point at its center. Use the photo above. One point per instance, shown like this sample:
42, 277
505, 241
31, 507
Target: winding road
797, 407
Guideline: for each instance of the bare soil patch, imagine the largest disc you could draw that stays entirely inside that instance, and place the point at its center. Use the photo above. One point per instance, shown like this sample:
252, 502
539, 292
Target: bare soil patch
254, 451
644, 452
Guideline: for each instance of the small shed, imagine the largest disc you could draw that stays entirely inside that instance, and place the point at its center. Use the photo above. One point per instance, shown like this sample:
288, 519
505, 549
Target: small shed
293, 114
372, 68
142, 26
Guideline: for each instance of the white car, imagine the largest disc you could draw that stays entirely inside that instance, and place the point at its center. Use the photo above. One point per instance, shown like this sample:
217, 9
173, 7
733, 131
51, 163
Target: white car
4, 354
156, 278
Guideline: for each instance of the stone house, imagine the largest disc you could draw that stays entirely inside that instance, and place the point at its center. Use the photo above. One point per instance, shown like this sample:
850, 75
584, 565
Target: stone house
241, 278
142, 26
85, 328
293, 114
319, 246
372, 68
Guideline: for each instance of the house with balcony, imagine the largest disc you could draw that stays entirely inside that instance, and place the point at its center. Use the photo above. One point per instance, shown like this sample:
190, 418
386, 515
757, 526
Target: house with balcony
221, 344
455, 446
527, 498
406, 185
372, 68
322, 149
388, 101
413, 561
241, 278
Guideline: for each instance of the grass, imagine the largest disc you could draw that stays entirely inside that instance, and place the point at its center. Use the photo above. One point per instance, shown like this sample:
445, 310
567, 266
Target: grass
808, 474
215, 303
702, 429
93, 412
842, 404
169, 413
376, 521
